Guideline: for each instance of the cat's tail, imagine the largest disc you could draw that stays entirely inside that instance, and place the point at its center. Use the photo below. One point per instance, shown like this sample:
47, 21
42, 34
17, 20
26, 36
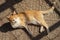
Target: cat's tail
49, 10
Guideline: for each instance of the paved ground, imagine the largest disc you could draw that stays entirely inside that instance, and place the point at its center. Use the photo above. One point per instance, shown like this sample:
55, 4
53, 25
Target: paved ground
8, 33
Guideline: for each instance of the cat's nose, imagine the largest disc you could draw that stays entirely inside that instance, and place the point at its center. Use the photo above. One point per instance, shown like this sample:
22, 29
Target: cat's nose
14, 21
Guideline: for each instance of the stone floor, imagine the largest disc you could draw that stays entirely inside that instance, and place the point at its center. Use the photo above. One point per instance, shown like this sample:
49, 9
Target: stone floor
8, 33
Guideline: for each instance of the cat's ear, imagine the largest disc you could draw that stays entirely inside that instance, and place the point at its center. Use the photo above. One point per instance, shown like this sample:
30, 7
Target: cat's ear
7, 17
14, 12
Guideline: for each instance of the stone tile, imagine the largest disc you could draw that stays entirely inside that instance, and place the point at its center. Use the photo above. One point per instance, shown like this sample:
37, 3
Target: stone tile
44, 38
51, 35
57, 38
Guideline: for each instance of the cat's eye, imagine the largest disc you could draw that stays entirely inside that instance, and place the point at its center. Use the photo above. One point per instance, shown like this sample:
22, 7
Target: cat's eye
14, 21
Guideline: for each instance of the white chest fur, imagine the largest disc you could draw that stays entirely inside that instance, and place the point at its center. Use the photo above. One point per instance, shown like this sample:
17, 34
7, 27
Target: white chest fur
16, 22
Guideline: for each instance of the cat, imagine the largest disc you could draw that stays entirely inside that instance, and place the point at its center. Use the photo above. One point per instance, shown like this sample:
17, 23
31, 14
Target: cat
29, 16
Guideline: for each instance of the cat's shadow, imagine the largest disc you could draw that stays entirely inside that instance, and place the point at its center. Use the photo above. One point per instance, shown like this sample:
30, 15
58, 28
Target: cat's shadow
7, 27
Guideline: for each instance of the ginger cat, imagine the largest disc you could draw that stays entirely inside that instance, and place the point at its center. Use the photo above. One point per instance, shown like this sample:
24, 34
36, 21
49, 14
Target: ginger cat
29, 16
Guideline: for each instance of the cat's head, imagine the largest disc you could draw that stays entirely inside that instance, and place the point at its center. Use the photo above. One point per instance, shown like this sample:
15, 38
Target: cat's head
14, 20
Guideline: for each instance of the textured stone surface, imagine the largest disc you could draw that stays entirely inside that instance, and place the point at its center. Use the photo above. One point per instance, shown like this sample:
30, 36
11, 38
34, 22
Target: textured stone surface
6, 33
